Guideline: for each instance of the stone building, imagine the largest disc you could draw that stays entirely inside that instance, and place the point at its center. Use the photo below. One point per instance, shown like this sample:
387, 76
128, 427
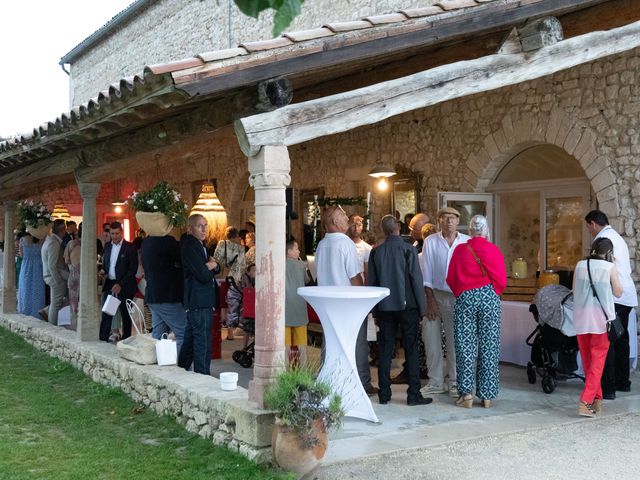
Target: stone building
525, 110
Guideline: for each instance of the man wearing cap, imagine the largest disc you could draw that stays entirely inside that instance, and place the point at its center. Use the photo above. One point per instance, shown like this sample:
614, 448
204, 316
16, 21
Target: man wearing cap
436, 254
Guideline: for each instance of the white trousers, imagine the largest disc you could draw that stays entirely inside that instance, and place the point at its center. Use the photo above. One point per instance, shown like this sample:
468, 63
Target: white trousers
438, 366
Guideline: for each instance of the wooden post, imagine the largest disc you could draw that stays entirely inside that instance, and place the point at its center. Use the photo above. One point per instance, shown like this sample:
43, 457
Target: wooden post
9, 268
89, 306
269, 175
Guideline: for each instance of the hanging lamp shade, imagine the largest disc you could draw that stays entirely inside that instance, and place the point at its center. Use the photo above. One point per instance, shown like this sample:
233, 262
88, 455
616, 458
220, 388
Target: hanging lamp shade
209, 206
60, 212
382, 171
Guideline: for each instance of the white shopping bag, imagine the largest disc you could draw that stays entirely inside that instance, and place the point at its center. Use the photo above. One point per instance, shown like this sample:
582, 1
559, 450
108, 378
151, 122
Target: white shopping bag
64, 316
166, 351
372, 329
111, 305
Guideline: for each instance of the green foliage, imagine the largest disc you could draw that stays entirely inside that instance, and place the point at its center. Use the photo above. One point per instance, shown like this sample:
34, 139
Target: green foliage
31, 213
284, 11
162, 198
299, 398
56, 423
327, 201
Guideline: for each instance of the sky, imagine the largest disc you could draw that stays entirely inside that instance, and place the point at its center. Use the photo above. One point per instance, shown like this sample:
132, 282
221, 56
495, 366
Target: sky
34, 35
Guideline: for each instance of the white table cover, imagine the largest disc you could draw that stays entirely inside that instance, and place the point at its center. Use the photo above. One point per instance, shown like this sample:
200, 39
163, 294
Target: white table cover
341, 311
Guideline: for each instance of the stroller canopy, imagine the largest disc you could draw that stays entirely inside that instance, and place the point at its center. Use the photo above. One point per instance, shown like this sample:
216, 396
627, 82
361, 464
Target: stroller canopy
554, 303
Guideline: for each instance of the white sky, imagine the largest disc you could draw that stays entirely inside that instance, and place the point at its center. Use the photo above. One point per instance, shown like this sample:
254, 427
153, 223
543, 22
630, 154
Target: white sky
34, 35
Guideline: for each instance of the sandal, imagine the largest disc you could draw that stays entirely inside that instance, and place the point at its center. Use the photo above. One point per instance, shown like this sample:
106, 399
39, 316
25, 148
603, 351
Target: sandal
465, 401
586, 410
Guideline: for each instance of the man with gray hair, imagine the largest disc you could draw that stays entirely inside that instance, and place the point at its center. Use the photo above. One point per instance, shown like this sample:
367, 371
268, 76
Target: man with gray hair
394, 264
436, 254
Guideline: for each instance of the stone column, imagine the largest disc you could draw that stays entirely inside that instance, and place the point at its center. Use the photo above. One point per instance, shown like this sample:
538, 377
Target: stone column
89, 306
9, 268
269, 176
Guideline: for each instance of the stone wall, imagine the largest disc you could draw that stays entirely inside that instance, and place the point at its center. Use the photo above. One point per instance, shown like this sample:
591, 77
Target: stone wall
176, 29
196, 401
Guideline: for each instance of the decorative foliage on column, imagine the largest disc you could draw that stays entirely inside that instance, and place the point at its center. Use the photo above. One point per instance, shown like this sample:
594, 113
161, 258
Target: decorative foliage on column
9, 269
269, 175
89, 307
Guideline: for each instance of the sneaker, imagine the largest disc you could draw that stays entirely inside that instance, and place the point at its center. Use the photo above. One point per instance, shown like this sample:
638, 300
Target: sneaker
431, 389
453, 391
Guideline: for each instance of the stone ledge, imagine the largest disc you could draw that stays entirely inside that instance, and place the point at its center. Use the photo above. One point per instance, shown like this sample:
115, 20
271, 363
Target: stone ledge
196, 401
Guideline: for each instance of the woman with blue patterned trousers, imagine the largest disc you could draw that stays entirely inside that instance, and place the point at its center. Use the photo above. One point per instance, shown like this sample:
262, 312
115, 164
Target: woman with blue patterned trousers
477, 276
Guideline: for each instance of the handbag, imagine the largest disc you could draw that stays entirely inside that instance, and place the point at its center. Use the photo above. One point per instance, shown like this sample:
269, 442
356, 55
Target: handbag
615, 328
479, 262
166, 351
140, 348
111, 305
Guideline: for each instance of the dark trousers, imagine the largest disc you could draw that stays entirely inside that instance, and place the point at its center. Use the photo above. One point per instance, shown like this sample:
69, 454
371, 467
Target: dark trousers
408, 321
105, 324
196, 347
616, 367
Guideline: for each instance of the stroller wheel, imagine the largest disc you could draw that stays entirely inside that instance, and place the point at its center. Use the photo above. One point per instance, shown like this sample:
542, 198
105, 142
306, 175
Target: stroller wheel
549, 384
531, 374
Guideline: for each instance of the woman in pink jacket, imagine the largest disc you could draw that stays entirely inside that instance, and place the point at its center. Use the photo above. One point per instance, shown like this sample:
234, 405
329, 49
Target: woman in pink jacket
477, 276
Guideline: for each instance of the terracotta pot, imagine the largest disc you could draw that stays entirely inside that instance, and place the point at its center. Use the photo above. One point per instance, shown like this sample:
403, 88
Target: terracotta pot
40, 231
289, 451
155, 224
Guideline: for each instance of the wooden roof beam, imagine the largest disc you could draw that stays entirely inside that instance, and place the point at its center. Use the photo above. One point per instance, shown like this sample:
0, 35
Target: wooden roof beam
339, 113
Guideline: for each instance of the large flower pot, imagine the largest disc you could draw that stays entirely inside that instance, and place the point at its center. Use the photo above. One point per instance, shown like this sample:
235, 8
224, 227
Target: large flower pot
155, 224
290, 452
40, 231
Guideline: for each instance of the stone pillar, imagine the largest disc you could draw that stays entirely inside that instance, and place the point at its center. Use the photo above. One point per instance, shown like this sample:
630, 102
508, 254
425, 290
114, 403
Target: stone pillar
89, 306
9, 268
269, 176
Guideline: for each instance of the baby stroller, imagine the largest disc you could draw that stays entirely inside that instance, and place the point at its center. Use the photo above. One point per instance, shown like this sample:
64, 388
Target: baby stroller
554, 347
246, 315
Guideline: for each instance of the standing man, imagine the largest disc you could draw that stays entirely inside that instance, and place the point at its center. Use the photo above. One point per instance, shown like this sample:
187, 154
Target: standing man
416, 223
72, 233
120, 264
337, 264
200, 296
616, 367
354, 232
394, 264
165, 286
436, 254
54, 269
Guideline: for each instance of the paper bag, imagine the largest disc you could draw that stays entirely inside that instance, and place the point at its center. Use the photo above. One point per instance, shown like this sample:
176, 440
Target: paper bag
111, 305
166, 351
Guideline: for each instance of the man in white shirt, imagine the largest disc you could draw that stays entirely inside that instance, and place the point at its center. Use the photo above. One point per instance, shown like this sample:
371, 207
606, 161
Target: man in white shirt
337, 264
436, 254
616, 368
363, 249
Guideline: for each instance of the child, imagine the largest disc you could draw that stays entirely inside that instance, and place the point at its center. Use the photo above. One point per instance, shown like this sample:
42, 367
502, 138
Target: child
295, 310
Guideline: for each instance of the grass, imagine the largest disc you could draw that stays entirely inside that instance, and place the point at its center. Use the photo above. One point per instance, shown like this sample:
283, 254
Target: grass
55, 423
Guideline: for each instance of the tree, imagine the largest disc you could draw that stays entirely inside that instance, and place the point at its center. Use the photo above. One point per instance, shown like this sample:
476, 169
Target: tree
285, 11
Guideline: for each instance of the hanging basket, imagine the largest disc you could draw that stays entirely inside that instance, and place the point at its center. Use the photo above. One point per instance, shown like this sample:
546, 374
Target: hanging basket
39, 232
155, 224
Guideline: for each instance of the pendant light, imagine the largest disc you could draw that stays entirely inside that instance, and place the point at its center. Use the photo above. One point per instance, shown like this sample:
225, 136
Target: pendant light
209, 206
60, 212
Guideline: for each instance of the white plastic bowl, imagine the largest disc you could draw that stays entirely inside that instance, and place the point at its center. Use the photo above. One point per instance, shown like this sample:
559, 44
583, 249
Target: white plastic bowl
228, 380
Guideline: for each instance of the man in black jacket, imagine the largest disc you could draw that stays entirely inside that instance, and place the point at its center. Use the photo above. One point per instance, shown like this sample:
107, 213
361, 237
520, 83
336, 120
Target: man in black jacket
394, 264
120, 264
200, 296
165, 286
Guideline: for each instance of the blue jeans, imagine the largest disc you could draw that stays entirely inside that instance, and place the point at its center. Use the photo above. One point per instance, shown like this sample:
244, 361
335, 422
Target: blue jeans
196, 347
168, 317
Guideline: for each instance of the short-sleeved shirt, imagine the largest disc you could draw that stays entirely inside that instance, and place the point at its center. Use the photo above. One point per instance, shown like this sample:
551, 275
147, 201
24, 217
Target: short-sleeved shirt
364, 250
337, 260
295, 307
436, 255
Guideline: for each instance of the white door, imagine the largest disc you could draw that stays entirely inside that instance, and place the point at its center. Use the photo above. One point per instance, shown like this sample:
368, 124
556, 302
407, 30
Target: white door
469, 204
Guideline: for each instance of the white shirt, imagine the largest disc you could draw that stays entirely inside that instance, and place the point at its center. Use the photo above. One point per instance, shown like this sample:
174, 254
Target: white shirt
337, 260
436, 255
364, 250
115, 251
623, 266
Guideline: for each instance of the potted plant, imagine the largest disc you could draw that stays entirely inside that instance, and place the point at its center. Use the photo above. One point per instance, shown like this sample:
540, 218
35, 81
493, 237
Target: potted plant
36, 218
306, 409
159, 209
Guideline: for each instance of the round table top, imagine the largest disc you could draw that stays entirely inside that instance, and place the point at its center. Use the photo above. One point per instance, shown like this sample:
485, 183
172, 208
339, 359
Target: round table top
344, 292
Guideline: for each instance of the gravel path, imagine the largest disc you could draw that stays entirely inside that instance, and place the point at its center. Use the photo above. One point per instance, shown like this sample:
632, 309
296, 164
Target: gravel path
606, 448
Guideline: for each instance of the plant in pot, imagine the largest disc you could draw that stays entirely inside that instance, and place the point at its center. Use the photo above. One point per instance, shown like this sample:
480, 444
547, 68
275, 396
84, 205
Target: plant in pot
36, 218
306, 410
159, 209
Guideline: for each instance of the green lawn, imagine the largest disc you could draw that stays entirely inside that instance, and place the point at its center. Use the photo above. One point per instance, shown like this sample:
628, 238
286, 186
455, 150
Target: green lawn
55, 423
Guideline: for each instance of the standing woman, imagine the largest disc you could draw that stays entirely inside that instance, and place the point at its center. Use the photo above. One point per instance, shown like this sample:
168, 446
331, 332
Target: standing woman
31, 295
477, 276
72, 259
595, 283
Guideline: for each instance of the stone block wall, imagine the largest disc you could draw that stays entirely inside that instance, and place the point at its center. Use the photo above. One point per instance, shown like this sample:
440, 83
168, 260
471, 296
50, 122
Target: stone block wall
175, 29
196, 401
